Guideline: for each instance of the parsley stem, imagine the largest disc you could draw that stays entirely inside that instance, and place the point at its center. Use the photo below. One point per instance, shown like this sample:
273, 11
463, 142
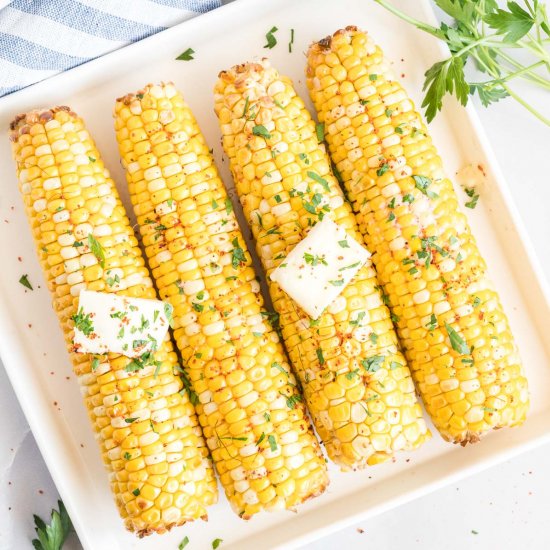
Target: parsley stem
528, 76
529, 107
491, 70
434, 31
511, 75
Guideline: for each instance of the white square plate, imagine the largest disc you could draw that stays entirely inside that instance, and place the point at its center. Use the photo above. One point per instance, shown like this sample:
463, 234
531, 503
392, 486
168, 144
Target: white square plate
31, 344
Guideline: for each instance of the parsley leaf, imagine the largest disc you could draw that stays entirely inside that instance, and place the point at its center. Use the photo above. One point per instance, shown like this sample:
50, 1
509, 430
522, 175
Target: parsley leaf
260, 130
422, 183
270, 37
319, 179
187, 55
24, 280
96, 249
513, 24
52, 536
457, 342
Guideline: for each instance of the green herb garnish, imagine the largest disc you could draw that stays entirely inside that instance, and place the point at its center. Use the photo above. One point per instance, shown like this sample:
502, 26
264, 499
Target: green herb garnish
187, 55
270, 37
52, 536
24, 280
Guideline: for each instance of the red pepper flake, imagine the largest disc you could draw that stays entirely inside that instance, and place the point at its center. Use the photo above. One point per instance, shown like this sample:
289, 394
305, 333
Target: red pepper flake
52, 372
29, 325
402, 75
19, 258
360, 531
40, 492
55, 403
12, 208
67, 377
82, 445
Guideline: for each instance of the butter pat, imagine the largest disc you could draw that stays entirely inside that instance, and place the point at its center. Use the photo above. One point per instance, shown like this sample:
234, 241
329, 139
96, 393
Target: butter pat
320, 266
110, 323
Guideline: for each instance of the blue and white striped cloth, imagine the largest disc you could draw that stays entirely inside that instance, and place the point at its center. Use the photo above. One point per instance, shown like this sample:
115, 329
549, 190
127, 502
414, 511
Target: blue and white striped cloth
39, 38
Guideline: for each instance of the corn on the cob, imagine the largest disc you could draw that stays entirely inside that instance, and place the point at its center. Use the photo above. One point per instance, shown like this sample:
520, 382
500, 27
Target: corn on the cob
248, 402
449, 317
357, 385
147, 428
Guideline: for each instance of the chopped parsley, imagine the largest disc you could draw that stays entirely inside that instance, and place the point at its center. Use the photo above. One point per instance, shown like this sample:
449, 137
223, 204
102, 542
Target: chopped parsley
24, 280
130, 420
96, 249
433, 324
293, 400
422, 183
272, 442
187, 55
320, 131
183, 543
474, 197
228, 205
343, 243
372, 364
337, 282
320, 356
136, 492
261, 130
113, 280
291, 41
351, 266
383, 169
237, 254
457, 342
168, 310
83, 322
314, 259
95, 363
270, 38
373, 77
319, 179
352, 373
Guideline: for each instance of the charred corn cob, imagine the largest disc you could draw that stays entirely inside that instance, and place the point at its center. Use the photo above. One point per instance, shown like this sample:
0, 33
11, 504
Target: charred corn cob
357, 385
248, 402
449, 317
147, 428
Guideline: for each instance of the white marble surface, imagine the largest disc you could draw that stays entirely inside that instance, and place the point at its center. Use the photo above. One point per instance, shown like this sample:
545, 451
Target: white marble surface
503, 508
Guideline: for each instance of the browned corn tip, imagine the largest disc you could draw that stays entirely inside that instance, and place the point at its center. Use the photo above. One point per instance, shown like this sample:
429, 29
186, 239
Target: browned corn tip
325, 43
129, 97
21, 123
240, 69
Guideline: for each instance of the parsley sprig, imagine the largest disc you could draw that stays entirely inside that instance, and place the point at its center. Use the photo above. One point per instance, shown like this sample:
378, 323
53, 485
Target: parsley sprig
52, 536
505, 43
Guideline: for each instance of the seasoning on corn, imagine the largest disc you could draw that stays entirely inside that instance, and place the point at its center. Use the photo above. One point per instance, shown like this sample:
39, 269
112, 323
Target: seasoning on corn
357, 385
449, 317
150, 440
248, 402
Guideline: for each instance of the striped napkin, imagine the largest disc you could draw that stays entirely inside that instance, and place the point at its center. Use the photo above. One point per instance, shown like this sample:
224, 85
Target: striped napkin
39, 38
